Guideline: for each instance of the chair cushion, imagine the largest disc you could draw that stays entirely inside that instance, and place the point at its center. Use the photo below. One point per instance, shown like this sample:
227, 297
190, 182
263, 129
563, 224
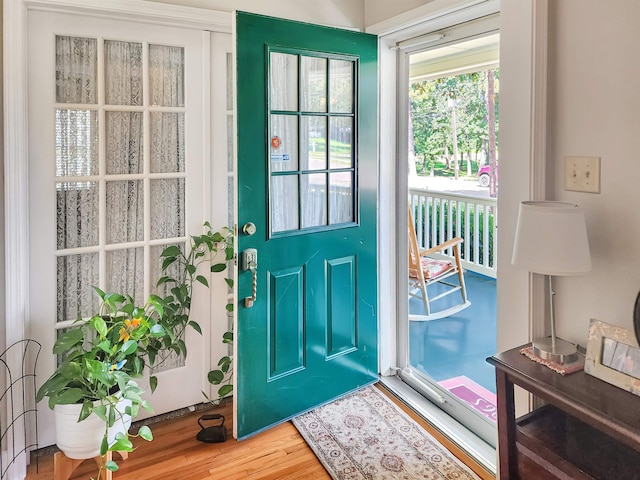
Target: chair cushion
433, 268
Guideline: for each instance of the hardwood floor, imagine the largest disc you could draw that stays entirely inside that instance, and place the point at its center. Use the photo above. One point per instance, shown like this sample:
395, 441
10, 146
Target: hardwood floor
176, 454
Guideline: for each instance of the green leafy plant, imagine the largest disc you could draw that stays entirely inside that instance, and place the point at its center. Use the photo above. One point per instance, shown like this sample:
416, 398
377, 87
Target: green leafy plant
100, 358
177, 305
223, 375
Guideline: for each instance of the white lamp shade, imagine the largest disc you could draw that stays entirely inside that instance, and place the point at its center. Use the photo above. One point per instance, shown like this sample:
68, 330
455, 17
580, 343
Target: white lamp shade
551, 239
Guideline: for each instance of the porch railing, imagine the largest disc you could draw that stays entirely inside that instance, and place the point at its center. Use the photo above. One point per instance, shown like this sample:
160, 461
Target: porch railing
441, 216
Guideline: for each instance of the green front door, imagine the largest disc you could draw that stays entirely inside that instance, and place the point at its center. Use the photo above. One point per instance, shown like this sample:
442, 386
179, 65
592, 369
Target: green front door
307, 179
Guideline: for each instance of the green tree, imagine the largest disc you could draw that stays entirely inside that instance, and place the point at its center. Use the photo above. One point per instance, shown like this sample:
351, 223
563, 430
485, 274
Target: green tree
433, 103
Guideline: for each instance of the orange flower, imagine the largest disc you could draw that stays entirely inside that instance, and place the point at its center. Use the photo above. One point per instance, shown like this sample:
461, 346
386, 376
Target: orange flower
124, 335
129, 326
132, 324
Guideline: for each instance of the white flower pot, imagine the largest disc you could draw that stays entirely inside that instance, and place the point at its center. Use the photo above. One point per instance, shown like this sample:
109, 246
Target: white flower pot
80, 440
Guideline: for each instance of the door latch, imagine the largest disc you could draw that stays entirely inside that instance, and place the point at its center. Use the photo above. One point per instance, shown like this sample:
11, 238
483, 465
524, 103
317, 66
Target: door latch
250, 262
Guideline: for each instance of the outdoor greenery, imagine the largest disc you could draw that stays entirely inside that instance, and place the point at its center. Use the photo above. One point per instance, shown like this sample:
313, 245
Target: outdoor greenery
451, 114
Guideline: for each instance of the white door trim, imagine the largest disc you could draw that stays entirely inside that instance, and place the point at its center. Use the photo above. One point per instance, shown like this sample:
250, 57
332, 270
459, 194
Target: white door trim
16, 231
16, 187
521, 297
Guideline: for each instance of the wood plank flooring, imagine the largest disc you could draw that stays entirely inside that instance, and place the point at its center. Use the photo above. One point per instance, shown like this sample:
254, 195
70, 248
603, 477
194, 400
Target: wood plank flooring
175, 454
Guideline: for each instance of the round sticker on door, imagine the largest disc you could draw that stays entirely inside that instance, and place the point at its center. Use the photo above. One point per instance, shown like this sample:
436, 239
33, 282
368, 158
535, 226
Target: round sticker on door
275, 142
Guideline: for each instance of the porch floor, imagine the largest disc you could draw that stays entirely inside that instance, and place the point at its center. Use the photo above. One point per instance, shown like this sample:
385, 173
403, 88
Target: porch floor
458, 345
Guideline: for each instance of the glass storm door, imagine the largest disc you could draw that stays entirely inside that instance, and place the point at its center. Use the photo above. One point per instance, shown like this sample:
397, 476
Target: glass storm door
307, 179
115, 177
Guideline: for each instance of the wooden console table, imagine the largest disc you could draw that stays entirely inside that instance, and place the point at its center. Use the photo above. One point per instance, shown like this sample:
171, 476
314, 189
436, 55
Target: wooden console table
588, 429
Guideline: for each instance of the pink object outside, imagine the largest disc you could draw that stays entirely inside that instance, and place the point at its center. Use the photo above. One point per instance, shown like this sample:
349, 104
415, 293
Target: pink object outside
475, 395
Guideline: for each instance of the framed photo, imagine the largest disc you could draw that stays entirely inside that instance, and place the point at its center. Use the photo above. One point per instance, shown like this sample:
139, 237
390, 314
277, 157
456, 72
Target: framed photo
613, 355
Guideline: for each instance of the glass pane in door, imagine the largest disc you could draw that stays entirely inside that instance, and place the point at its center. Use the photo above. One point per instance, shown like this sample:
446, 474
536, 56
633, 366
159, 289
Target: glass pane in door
341, 142
125, 268
76, 70
76, 142
283, 72
75, 275
341, 77
319, 189
123, 73
124, 142
77, 211
167, 215
167, 142
313, 142
341, 197
284, 143
284, 205
166, 76
451, 322
314, 200
111, 186
125, 211
313, 84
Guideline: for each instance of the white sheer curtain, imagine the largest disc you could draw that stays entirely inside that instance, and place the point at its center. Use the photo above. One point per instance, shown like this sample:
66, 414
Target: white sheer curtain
77, 155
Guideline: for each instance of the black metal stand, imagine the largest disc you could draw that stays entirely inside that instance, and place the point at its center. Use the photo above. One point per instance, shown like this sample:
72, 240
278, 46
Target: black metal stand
18, 414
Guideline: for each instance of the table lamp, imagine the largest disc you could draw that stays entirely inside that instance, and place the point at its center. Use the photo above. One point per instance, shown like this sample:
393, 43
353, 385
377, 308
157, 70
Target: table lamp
551, 239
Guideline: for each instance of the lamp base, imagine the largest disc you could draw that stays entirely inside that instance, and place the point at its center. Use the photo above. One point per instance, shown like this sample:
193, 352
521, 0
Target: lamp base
563, 352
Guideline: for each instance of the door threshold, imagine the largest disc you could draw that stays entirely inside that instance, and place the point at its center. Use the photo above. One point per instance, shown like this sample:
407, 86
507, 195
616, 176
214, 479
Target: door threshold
483, 453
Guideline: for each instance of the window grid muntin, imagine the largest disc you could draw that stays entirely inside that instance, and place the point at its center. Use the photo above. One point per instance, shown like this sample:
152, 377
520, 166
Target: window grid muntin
102, 248
327, 114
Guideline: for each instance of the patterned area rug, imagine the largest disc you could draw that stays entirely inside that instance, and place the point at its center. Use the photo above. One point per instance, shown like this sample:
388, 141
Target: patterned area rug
366, 436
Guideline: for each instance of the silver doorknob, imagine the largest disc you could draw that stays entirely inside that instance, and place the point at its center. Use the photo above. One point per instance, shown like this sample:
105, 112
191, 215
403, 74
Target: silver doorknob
249, 228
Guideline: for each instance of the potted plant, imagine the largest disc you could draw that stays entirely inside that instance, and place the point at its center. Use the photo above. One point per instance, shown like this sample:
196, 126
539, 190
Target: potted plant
94, 382
92, 391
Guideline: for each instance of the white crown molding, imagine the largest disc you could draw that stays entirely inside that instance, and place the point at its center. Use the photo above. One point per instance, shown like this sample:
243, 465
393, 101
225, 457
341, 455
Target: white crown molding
141, 11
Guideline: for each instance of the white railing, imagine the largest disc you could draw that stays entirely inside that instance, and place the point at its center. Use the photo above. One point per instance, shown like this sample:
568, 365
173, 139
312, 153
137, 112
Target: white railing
451, 215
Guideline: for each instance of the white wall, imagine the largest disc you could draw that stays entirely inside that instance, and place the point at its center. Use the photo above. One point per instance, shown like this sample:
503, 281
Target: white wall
594, 110
337, 13
378, 10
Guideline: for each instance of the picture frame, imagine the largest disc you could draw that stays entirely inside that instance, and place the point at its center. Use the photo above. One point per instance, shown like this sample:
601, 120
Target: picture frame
636, 317
613, 355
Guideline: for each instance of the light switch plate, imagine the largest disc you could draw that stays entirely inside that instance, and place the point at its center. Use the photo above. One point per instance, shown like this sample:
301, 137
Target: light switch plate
582, 174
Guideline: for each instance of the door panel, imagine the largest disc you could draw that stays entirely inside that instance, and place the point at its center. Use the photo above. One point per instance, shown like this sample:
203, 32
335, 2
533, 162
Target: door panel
307, 164
115, 175
341, 306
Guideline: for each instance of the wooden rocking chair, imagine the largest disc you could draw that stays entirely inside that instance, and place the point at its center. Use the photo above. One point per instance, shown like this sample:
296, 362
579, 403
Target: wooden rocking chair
425, 270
